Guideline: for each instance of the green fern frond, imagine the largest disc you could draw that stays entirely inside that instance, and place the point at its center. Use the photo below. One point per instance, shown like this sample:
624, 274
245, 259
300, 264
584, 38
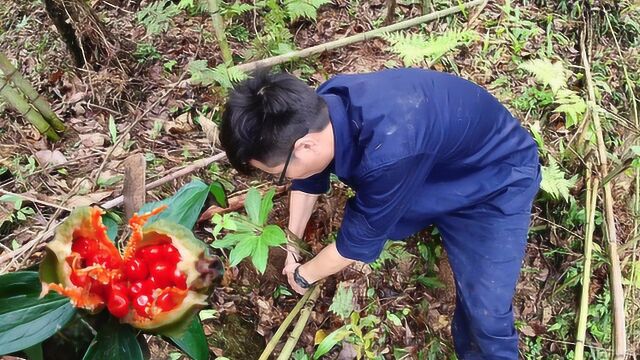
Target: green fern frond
572, 105
156, 16
203, 75
414, 48
304, 8
547, 73
554, 182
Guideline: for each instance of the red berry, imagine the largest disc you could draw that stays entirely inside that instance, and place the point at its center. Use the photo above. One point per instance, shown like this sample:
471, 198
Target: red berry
179, 279
162, 274
170, 253
166, 302
79, 279
84, 246
120, 287
104, 259
118, 304
141, 288
151, 254
141, 303
136, 270
99, 289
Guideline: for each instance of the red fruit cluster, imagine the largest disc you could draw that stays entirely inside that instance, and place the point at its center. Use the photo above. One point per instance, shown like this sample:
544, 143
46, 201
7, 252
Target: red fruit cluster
149, 282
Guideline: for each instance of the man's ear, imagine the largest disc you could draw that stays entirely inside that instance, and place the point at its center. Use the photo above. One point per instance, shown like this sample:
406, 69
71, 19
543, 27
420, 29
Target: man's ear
307, 143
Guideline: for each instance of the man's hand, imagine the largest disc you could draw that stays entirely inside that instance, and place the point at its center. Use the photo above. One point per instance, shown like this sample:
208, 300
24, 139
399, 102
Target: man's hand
288, 270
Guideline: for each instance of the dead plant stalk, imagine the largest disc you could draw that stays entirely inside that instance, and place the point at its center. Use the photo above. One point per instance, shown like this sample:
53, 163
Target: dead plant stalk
615, 277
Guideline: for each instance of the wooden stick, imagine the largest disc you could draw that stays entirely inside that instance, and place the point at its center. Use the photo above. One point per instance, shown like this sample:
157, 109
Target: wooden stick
615, 277
133, 189
592, 196
283, 327
354, 38
172, 176
12, 75
285, 354
15, 99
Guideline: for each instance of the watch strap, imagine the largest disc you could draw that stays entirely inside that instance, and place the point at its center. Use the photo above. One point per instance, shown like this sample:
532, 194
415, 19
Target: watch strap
302, 282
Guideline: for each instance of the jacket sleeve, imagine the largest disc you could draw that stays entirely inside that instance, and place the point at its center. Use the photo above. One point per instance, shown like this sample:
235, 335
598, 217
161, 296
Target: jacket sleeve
381, 200
315, 184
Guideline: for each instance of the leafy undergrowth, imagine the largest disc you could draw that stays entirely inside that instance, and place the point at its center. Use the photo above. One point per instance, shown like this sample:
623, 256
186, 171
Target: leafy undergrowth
525, 53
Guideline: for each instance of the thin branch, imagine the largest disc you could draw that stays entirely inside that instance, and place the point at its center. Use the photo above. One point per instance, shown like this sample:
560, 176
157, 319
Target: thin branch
34, 200
355, 38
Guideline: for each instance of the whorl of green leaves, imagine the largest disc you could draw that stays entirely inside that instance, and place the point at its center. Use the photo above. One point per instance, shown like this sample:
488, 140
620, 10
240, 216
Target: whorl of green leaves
202, 74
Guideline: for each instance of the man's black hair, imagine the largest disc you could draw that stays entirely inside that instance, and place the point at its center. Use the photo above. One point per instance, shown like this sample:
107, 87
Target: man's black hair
265, 115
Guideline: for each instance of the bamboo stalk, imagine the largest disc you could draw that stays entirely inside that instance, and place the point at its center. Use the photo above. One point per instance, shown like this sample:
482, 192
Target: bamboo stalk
592, 196
285, 354
426, 6
615, 277
283, 327
633, 304
12, 75
15, 99
218, 28
248, 67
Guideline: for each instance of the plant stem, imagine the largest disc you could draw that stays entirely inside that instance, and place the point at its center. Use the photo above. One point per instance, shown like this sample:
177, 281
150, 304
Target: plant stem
633, 305
592, 196
615, 273
12, 75
283, 327
16, 99
218, 28
248, 67
426, 6
285, 354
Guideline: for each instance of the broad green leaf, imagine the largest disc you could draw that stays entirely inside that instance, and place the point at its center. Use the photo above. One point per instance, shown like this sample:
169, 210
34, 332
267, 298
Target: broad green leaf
260, 255
394, 319
193, 342
114, 341
25, 319
217, 190
184, 207
243, 249
342, 304
266, 205
252, 205
273, 235
112, 226
330, 341
34, 352
229, 240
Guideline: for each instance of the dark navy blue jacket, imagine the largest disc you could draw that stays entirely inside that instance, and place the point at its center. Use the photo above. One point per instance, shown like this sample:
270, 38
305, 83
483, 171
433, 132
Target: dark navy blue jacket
414, 145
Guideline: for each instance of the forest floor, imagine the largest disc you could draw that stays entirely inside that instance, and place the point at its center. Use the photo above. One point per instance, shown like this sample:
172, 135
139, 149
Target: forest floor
410, 290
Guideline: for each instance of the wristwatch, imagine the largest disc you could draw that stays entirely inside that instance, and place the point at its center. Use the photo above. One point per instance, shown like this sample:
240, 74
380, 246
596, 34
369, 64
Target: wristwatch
302, 282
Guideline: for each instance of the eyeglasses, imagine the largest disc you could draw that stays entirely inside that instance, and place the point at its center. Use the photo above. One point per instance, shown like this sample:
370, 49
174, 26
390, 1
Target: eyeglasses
286, 165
